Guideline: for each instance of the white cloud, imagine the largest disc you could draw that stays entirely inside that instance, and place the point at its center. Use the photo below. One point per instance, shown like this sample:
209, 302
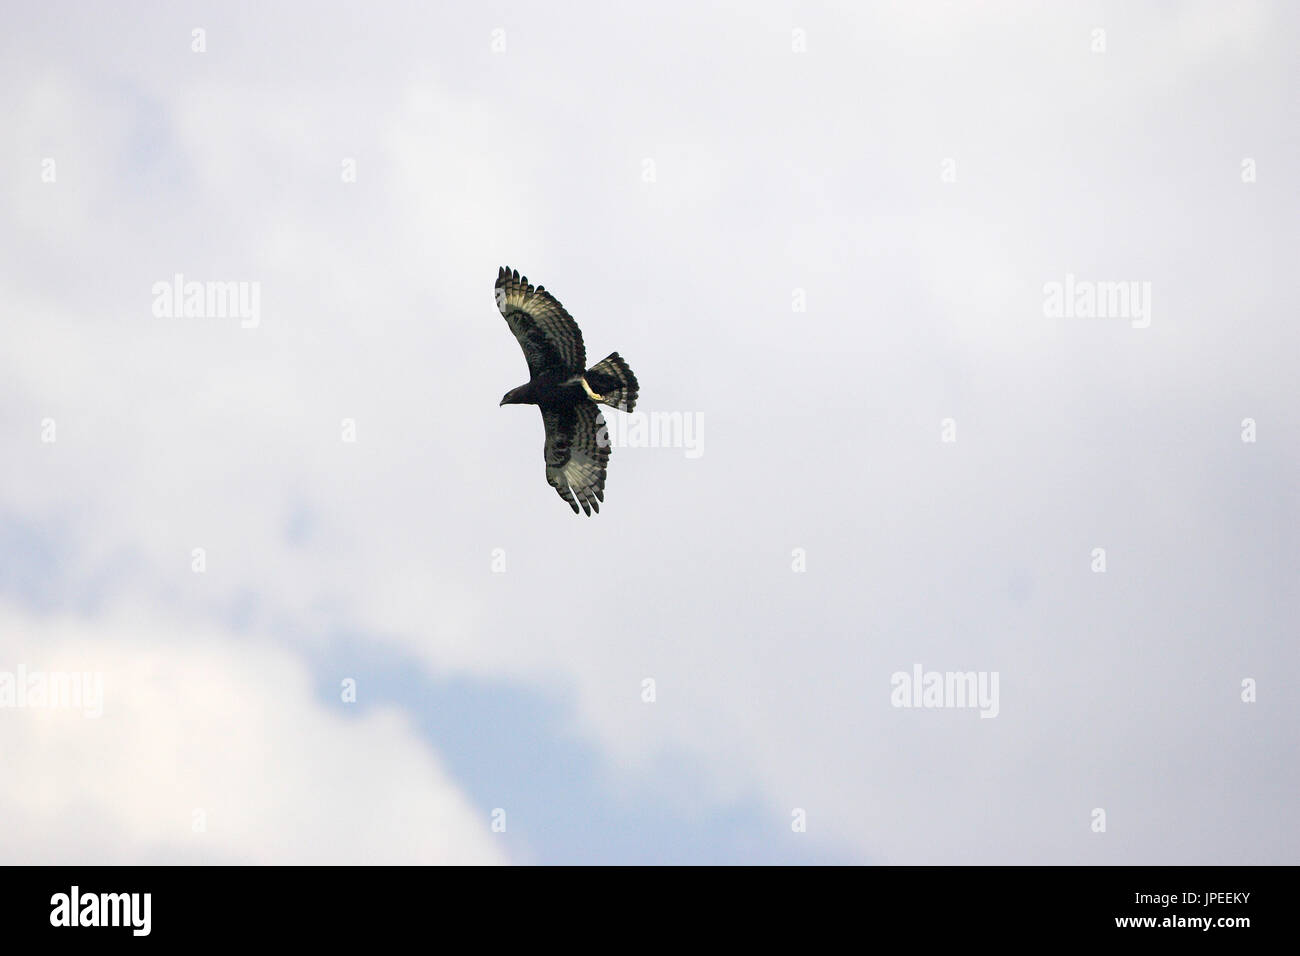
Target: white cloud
198, 725
924, 301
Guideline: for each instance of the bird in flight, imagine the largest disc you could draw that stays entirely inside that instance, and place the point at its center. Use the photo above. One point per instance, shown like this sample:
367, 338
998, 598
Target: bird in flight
567, 392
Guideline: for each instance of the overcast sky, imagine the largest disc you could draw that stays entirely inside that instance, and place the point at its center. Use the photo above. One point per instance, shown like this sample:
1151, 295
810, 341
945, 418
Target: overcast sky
828, 237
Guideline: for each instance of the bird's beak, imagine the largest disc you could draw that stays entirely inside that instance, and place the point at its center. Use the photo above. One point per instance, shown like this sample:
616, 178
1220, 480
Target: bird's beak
503, 401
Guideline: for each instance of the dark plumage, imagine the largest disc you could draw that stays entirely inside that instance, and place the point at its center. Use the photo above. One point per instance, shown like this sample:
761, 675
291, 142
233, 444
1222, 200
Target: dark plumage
568, 393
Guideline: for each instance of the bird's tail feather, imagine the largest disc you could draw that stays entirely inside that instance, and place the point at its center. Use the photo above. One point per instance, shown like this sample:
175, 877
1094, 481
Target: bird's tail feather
613, 381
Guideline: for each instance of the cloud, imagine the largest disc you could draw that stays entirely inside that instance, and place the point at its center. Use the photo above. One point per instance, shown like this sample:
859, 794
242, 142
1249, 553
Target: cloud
212, 749
818, 171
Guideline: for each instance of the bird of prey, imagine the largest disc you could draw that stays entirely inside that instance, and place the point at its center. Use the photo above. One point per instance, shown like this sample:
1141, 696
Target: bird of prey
567, 392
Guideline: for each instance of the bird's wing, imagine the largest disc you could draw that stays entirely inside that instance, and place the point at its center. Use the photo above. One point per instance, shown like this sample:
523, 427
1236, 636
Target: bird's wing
551, 340
577, 453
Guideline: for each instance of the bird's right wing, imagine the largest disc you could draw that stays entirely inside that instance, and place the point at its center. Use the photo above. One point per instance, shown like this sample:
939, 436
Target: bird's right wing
577, 453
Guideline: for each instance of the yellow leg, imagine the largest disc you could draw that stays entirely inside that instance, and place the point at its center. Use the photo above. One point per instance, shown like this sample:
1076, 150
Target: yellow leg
590, 394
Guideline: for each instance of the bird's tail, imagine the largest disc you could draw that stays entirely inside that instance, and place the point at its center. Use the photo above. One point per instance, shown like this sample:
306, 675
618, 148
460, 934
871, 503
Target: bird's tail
613, 381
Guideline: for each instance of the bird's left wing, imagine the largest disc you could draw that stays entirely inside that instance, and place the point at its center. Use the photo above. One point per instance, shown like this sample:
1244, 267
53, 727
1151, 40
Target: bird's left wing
551, 340
577, 453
